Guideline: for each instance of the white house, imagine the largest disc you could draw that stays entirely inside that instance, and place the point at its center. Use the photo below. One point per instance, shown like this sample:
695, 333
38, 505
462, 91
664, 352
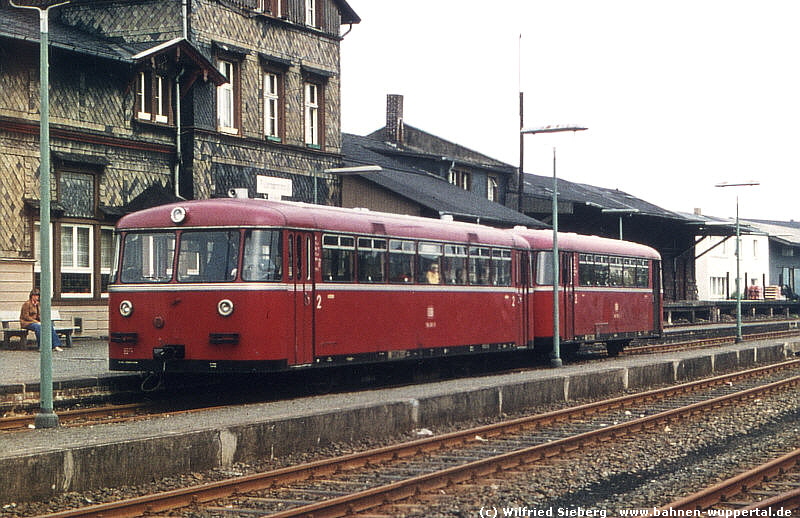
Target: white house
715, 264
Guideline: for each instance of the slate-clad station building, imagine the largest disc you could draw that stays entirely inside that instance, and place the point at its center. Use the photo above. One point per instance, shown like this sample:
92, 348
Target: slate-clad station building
150, 101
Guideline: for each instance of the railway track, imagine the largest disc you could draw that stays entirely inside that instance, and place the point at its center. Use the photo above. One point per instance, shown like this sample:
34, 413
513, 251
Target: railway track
379, 478
98, 414
772, 485
699, 343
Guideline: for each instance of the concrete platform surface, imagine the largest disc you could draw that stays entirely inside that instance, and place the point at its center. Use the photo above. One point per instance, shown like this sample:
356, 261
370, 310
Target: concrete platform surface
41, 463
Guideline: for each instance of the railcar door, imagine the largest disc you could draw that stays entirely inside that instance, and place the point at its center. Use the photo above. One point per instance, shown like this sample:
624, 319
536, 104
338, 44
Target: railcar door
655, 272
301, 276
523, 282
568, 299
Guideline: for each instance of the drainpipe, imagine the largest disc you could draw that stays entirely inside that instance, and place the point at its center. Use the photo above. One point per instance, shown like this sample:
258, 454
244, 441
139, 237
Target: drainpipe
185, 15
178, 149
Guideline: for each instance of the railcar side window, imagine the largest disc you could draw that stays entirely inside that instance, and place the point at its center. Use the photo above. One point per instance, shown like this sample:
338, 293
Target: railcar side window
615, 271
480, 266
262, 255
629, 271
401, 260
430, 258
544, 268
603, 270
642, 273
208, 256
502, 267
371, 260
454, 264
337, 258
147, 257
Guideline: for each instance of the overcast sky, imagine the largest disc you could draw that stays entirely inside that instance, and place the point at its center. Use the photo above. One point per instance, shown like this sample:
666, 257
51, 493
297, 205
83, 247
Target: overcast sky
678, 96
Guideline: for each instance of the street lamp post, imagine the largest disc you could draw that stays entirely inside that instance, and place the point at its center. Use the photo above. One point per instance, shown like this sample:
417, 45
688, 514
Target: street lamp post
556, 355
738, 258
621, 212
46, 418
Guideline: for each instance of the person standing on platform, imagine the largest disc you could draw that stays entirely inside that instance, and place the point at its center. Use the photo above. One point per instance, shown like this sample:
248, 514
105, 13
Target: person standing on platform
29, 319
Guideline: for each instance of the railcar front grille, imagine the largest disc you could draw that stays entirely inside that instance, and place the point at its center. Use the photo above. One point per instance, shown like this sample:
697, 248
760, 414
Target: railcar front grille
124, 338
223, 338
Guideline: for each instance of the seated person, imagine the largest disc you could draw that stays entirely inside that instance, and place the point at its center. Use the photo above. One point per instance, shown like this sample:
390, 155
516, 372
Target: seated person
29, 319
432, 275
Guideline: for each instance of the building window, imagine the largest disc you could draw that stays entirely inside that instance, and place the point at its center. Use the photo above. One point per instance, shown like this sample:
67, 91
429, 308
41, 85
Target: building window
491, 189
76, 264
460, 179
76, 194
272, 106
311, 13
227, 108
718, 287
312, 106
275, 8
152, 98
106, 257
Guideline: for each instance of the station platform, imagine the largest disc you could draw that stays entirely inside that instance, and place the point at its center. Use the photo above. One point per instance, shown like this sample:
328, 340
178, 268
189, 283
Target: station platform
39, 464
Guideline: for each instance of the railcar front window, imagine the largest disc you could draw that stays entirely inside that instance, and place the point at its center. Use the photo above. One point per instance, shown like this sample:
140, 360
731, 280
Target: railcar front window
263, 255
208, 256
147, 257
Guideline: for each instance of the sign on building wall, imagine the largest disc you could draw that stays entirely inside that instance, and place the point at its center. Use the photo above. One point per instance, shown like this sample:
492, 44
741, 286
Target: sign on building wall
274, 188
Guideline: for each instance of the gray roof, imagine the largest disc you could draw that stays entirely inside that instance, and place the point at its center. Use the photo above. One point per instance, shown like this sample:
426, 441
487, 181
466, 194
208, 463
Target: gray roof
785, 232
23, 25
599, 197
424, 188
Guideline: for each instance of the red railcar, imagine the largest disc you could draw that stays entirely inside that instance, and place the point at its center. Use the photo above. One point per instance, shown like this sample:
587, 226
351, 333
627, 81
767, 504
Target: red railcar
251, 285
610, 290
237, 285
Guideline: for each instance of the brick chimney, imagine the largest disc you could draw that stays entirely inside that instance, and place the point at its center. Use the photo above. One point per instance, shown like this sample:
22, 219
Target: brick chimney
394, 118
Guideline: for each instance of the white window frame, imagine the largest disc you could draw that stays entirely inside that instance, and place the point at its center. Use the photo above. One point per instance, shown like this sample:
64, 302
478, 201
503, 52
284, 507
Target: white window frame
107, 262
141, 94
152, 102
272, 117
491, 188
160, 101
311, 13
226, 98
37, 253
78, 268
311, 114
717, 287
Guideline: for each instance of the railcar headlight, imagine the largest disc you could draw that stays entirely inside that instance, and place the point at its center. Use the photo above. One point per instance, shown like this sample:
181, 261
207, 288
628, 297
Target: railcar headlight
177, 215
225, 307
126, 308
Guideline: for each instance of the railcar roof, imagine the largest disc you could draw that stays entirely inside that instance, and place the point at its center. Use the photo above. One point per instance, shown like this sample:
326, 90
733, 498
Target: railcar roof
543, 240
228, 212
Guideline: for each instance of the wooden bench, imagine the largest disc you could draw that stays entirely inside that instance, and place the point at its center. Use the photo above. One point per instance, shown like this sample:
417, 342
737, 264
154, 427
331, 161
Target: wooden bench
11, 329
